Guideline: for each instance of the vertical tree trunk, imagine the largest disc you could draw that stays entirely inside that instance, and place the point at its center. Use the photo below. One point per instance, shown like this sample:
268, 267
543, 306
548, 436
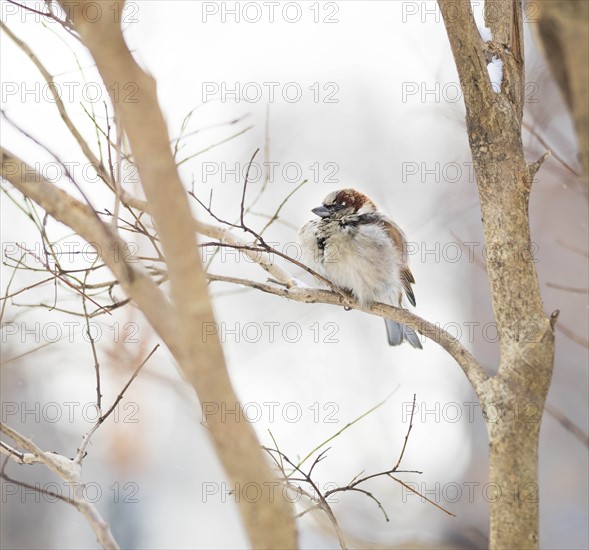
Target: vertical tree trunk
513, 488
514, 398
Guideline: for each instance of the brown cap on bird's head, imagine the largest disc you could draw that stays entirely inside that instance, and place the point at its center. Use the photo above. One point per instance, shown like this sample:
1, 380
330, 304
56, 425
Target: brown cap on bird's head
348, 199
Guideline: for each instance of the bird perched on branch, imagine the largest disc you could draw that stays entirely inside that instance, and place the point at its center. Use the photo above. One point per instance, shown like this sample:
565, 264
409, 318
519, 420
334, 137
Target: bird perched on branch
360, 249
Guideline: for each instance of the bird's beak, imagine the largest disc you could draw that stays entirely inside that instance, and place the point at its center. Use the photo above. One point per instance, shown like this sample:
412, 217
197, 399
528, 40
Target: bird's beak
321, 211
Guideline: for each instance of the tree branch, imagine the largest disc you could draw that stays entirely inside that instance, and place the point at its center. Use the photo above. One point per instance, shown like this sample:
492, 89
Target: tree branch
71, 472
471, 368
98, 166
134, 279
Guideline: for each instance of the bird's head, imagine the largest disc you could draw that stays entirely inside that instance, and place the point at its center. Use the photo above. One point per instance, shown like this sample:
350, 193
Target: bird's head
345, 203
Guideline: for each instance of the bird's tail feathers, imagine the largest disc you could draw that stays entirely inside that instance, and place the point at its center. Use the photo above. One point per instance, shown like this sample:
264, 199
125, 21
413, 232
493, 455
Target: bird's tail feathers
398, 333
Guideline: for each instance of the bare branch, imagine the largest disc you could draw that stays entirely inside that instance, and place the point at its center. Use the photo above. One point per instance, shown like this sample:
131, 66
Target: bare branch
409, 488
321, 499
568, 424
98, 166
274, 216
81, 451
17, 456
71, 472
472, 369
535, 166
348, 425
407, 434
131, 275
37, 488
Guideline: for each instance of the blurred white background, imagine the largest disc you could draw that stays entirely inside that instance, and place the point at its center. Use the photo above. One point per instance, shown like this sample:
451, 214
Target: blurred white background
378, 110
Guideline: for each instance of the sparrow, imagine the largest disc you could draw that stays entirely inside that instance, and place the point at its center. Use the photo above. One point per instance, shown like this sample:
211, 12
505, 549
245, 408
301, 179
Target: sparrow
361, 250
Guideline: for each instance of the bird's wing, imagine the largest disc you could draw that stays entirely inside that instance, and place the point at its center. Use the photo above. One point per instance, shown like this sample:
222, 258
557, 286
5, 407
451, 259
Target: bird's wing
398, 238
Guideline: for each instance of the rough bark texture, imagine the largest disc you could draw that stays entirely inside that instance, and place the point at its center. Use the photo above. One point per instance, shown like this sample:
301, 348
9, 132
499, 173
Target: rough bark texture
504, 179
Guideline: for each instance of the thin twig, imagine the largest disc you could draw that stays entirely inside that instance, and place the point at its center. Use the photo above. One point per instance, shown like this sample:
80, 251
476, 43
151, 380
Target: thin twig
213, 146
422, 496
86, 440
322, 499
407, 434
274, 217
93, 346
60, 277
38, 489
348, 425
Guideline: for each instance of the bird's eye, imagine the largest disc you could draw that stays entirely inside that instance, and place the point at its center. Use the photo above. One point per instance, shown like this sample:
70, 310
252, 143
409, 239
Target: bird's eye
339, 206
